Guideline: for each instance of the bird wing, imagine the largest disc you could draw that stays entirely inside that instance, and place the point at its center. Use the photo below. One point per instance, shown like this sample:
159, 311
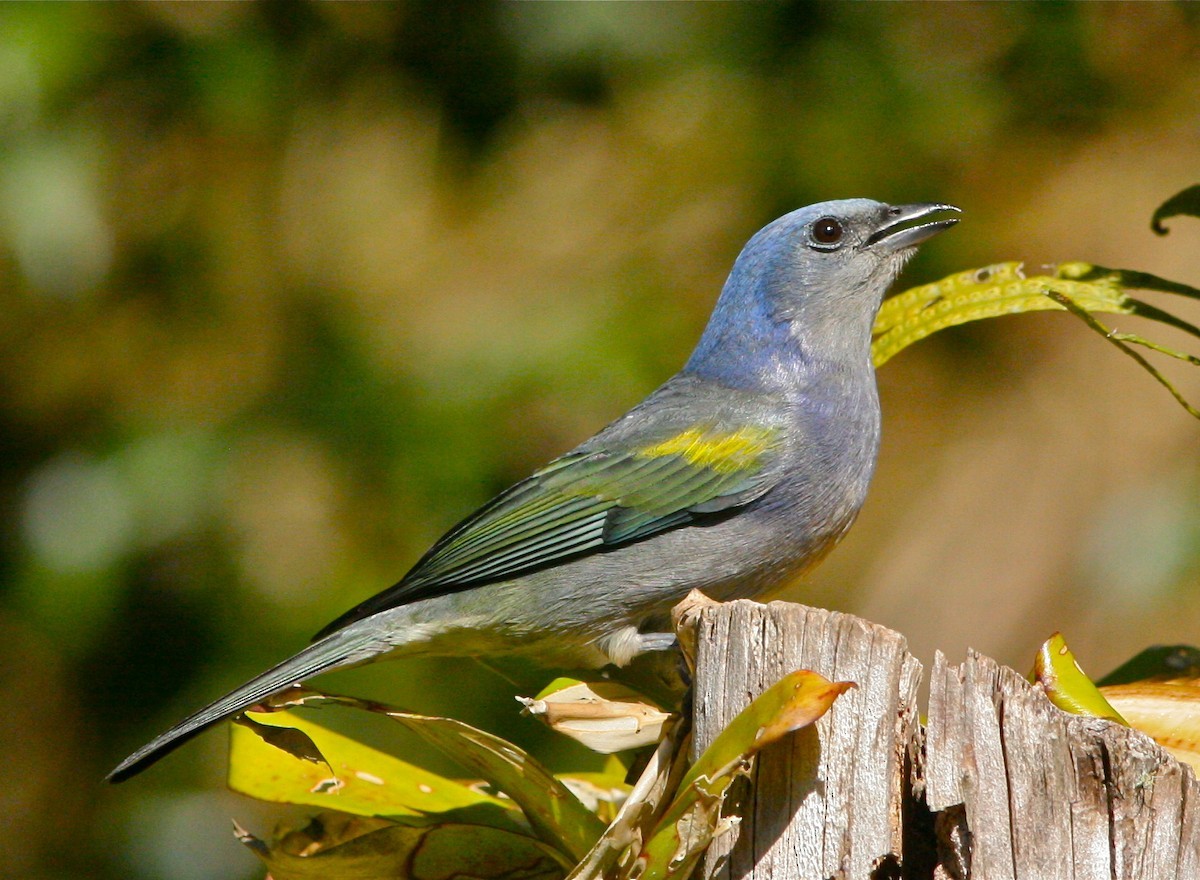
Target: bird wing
588, 501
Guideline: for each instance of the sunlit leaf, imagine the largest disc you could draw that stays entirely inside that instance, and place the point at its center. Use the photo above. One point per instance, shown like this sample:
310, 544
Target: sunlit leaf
553, 811
692, 820
796, 700
334, 846
1060, 676
1082, 289
1169, 711
605, 716
988, 292
357, 779
1186, 203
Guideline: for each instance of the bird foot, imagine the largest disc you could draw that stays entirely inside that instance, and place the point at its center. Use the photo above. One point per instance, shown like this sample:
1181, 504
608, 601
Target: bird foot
626, 643
657, 641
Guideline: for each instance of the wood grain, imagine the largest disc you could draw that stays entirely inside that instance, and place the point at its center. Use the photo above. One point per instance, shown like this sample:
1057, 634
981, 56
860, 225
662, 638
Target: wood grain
827, 801
1018, 789
1051, 795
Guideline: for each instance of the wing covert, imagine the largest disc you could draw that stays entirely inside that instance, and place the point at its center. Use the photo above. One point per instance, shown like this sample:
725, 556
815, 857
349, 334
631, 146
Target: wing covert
589, 501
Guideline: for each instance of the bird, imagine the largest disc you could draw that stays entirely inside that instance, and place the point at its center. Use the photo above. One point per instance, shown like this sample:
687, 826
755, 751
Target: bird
735, 476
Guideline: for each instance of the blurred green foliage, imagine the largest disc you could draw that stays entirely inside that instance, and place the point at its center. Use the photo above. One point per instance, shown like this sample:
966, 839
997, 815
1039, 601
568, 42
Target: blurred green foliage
288, 288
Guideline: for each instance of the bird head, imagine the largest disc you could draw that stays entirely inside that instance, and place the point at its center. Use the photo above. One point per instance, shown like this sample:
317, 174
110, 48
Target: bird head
807, 286
841, 256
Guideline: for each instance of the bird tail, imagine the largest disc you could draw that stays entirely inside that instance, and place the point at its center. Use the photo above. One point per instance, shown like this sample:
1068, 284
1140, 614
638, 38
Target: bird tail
342, 648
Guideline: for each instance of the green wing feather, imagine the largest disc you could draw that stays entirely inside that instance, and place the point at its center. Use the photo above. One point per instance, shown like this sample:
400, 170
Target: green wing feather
589, 501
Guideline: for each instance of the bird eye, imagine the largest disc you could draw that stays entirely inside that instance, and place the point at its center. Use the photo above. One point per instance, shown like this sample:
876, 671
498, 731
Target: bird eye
827, 230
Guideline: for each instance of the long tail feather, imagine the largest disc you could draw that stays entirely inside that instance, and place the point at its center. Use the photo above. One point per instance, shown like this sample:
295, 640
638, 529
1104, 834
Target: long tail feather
343, 648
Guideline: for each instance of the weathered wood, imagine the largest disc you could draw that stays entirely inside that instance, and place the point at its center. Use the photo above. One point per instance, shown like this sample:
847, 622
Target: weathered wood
1019, 789
1049, 795
829, 801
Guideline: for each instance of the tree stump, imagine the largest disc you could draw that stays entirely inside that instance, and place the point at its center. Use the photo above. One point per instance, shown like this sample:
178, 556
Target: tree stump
829, 800
1025, 790
998, 784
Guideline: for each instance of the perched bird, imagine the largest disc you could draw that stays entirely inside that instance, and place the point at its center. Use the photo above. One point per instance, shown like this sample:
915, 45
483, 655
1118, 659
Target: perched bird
738, 474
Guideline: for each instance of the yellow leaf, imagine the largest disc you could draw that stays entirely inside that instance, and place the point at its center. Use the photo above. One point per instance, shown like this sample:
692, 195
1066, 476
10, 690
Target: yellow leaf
358, 779
1169, 711
689, 824
1060, 676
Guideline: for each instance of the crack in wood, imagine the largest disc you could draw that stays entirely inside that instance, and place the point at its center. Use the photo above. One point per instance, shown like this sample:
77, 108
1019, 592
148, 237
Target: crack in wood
997, 784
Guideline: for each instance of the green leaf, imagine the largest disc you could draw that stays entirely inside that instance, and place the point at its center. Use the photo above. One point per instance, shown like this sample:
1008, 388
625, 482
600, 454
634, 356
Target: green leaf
1056, 670
1130, 279
1156, 663
335, 846
796, 700
988, 292
554, 813
1121, 340
692, 820
356, 778
1082, 289
1186, 203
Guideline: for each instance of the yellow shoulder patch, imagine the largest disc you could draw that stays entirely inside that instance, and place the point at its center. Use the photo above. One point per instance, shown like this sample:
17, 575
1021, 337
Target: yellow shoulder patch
724, 452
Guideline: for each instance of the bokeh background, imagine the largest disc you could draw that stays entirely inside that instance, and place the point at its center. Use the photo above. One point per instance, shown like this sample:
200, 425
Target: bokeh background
289, 288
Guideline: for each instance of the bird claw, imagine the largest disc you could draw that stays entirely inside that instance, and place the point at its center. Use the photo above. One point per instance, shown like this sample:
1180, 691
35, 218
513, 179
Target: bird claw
657, 641
624, 644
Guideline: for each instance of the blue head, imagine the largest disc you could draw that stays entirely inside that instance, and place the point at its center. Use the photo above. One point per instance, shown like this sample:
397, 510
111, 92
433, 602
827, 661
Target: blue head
805, 290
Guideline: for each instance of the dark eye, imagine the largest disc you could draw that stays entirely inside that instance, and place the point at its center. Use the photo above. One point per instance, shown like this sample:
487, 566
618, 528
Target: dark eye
827, 230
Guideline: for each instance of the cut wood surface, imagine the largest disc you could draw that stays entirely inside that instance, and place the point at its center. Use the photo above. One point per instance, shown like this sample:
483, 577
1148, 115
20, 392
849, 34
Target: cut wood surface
1017, 788
827, 801
1049, 795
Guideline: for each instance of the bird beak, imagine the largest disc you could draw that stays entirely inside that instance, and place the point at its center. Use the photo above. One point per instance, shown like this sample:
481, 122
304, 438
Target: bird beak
896, 235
